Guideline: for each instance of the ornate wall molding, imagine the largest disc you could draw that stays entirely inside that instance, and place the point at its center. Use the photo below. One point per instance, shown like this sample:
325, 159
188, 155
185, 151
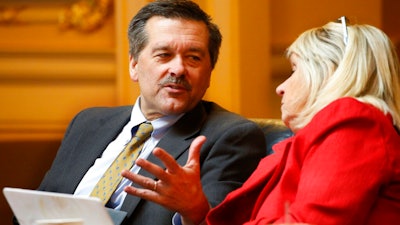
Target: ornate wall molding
82, 15
86, 15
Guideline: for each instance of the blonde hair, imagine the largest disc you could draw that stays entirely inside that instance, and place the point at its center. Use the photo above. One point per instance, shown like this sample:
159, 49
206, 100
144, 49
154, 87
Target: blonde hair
367, 69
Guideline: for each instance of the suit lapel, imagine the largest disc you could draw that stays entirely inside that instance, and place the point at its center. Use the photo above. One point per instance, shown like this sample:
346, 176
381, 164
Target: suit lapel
96, 138
176, 142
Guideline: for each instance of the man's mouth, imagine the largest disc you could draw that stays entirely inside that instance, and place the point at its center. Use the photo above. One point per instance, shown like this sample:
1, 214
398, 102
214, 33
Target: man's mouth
176, 83
175, 86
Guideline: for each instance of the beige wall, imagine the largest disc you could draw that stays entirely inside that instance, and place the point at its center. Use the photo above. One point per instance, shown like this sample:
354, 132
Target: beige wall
48, 74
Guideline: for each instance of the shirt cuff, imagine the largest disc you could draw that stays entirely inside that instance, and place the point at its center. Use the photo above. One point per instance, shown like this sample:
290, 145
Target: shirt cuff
176, 219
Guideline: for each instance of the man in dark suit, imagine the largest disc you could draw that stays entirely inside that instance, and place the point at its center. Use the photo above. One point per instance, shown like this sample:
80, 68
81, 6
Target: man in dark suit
173, 49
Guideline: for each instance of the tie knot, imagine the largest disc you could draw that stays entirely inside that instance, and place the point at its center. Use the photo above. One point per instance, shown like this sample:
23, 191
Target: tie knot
144, 130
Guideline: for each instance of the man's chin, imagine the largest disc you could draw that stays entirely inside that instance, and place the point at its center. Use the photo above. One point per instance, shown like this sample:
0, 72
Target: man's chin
177, 104
174, 109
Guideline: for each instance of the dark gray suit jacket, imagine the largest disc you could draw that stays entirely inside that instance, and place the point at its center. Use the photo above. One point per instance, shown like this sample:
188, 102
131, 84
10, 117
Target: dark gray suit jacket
233, 149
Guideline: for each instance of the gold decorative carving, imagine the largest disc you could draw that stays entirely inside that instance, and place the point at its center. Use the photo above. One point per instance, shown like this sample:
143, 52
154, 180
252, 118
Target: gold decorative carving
86, 15
9, 14
83, 15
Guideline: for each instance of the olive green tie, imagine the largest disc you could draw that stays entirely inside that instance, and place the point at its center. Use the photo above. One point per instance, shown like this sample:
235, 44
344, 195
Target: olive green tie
112, 177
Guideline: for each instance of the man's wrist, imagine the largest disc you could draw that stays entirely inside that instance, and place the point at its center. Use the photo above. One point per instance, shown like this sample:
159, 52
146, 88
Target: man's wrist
199, 217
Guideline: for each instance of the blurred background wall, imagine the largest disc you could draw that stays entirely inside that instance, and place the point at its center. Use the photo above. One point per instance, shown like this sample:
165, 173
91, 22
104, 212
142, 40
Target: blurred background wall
58, 57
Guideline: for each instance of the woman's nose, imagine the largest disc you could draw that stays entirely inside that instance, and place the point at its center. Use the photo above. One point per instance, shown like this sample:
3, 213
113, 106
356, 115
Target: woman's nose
280, 90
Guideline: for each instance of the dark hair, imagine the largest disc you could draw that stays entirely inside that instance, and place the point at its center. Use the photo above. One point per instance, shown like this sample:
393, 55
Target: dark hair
181, 9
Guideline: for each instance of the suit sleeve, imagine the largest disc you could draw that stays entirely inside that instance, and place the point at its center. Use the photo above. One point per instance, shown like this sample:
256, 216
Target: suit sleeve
233, 155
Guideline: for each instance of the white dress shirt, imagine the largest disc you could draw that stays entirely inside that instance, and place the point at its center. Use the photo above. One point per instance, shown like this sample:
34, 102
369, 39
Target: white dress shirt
93, 175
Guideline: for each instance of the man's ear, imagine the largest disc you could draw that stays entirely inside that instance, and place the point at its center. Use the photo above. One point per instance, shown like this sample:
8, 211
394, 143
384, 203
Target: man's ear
132, 68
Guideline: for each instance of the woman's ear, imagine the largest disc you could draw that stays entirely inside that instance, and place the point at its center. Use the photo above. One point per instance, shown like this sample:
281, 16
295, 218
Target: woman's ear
132, 68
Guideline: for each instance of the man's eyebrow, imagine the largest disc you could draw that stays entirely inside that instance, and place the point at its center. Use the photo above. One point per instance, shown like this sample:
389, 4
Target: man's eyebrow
161, 48
167, 48
201, 51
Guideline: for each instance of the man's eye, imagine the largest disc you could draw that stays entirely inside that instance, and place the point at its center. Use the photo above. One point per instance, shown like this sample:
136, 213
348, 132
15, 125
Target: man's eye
195, 58
163, 55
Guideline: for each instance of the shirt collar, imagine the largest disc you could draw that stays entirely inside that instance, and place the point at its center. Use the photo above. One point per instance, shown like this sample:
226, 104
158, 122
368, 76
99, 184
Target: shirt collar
160, 125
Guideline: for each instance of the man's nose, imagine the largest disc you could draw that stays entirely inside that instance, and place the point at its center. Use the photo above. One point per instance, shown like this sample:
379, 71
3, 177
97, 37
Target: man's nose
177, 67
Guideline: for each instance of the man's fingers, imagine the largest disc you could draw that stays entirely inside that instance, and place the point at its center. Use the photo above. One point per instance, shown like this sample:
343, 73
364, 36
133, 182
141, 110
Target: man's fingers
143, 193
194, 151
168, 161
135, 178
144, 182
159, 172
171, 188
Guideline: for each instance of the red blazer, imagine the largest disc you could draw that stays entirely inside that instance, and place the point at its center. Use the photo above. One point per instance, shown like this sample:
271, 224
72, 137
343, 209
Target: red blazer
342, 168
